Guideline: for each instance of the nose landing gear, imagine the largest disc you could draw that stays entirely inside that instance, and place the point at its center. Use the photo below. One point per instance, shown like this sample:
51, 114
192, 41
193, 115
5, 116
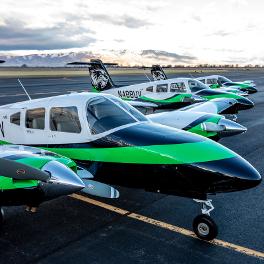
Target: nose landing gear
203, 225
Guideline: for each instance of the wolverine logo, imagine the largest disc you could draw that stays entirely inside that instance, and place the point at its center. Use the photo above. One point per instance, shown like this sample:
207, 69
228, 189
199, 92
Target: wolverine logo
129, 94
158, 75
99, 78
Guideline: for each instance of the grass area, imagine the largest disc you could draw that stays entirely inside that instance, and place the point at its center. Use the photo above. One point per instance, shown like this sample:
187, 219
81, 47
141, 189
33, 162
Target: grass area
10, 72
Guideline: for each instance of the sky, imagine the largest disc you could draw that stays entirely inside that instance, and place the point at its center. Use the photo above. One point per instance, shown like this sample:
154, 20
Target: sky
189, 31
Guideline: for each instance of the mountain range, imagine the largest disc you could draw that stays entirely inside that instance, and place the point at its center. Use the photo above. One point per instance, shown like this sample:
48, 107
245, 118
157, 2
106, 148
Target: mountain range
122, 57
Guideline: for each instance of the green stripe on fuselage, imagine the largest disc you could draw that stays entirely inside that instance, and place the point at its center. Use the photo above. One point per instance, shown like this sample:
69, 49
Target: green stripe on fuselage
225, 95
185, 153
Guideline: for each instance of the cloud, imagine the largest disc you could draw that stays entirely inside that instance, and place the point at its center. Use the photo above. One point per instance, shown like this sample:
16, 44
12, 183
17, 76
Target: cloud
124, 20
15, 35
197, 18
164, 55
221, 33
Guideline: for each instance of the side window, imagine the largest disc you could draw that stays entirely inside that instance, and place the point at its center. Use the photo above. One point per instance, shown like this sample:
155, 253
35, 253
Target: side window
196, 86
35, 118
178, 87
162, 88
202, 80
65, 119
15, 118
149, 89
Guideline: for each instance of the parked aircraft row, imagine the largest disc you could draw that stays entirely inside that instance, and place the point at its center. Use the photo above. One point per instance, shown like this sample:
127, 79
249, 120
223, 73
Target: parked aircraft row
90, 141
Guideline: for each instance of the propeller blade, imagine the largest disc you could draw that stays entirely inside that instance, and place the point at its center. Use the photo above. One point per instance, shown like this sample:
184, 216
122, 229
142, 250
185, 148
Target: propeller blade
83, 173
20, 171
99, 189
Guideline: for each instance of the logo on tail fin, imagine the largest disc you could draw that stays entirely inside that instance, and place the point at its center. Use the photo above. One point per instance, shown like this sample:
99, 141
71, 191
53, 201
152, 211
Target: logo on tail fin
158, 73
99, 78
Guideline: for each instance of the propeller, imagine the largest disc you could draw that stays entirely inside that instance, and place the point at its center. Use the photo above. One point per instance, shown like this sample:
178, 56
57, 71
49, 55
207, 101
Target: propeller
99, 189
20, 171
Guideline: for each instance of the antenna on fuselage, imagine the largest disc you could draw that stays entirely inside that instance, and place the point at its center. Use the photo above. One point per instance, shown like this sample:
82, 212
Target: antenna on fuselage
144, 68
147, 77
24, 89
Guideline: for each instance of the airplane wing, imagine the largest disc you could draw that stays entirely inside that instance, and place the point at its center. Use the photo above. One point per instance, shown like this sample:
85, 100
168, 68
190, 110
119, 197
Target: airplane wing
11, 167
215, 106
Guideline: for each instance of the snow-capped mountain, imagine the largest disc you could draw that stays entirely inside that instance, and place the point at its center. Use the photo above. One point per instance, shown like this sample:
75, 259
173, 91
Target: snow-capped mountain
122, 57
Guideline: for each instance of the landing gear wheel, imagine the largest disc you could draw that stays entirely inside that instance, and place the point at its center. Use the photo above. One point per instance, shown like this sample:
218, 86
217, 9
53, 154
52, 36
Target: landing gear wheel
204, 227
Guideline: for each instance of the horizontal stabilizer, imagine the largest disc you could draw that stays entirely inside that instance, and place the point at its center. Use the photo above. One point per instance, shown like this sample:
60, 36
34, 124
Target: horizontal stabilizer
100, 189
20, 171
91, 63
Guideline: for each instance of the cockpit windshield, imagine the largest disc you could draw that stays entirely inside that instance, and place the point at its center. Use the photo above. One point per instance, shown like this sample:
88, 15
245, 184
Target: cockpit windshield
223, 79
104, 114
196, 85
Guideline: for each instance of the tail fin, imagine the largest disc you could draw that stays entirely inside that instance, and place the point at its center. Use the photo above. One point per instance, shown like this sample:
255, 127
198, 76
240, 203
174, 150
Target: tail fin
158, 73
100, 77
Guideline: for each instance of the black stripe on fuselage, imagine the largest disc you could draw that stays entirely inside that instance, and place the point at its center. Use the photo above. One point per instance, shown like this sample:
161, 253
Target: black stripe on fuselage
194, 180
209, 92
142, 134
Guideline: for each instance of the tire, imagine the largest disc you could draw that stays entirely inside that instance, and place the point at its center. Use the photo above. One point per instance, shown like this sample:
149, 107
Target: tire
204, 227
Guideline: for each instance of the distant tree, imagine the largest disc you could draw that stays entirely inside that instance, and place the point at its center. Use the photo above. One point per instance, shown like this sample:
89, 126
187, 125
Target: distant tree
24, 66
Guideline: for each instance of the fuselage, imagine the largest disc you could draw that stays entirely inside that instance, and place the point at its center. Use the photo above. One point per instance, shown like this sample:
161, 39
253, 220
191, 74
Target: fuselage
176, 93
221, 82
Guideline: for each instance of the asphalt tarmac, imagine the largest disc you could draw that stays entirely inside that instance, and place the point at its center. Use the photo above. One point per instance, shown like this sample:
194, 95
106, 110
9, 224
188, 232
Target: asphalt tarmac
69, 230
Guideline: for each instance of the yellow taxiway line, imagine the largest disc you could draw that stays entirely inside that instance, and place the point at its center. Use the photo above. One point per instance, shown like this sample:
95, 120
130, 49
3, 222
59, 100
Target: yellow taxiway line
180, 230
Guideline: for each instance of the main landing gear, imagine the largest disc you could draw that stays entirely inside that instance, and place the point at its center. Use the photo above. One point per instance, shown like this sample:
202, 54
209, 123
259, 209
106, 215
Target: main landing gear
203, 225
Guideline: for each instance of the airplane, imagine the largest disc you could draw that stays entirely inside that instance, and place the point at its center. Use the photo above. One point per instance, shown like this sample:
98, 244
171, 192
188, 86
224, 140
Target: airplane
139, 93
159, 74
218, 81
166, 94
120, 146
199, 88
31, 176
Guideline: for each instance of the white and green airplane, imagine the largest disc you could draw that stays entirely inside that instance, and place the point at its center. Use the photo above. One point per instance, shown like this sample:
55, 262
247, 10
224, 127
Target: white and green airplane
221, 82
119, 146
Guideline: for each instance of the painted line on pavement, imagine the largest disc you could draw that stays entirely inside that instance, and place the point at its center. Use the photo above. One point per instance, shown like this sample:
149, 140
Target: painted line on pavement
173, 228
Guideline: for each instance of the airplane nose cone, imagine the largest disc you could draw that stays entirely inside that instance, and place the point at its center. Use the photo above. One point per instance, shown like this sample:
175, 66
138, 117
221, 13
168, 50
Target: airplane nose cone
230, 128
63, 180
231, 174
244, 103
251, 90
